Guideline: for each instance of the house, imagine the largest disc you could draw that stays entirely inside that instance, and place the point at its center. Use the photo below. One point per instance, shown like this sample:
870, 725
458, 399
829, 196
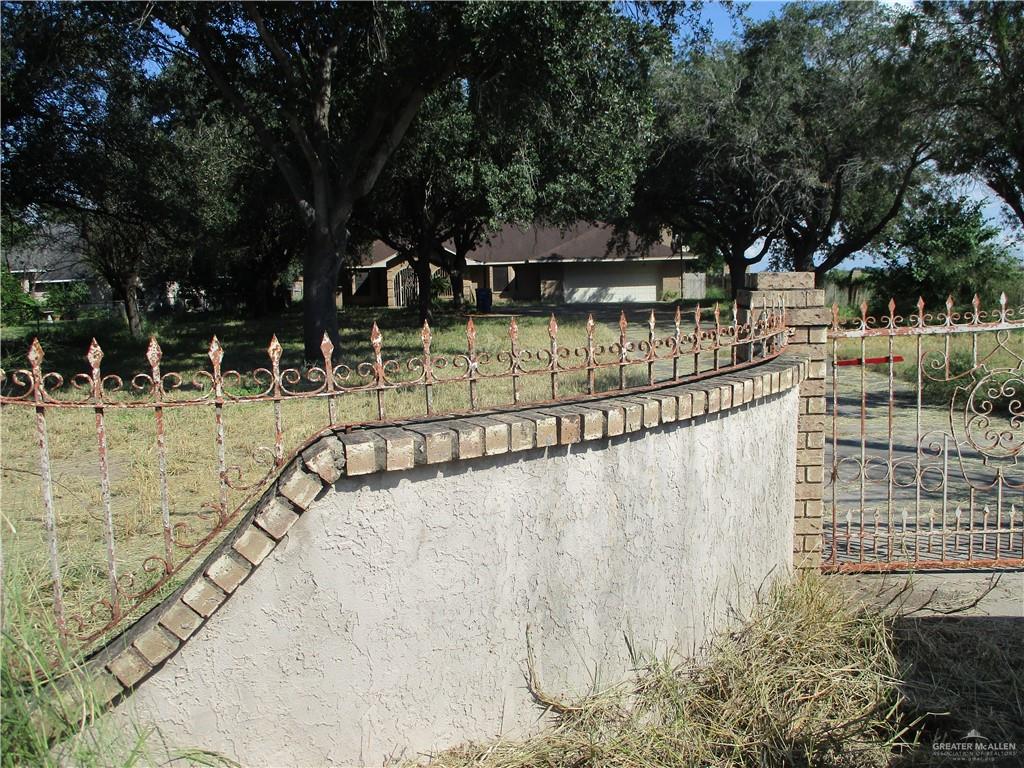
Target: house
50, 259
382, 278
579, 265
575, 265
47, 260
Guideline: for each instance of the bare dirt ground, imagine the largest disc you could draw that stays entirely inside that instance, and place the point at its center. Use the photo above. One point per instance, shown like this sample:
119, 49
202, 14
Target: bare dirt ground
961, 593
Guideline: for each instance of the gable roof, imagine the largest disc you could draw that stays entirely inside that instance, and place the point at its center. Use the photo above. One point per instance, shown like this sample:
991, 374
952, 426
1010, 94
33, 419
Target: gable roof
54, 255
380, 254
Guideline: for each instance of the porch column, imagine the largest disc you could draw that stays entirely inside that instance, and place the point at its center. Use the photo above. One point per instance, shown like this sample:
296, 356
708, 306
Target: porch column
809, 319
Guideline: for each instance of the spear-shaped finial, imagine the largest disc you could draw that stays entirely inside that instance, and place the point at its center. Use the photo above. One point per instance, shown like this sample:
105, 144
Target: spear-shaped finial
153, 352
35, 353
95, 354
326, 347
376, 338
215, 352
274, 350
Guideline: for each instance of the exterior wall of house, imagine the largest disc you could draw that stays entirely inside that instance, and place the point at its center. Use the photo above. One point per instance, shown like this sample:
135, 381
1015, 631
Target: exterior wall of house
392, 300
670, 279
551, 276
525, 284
373, 291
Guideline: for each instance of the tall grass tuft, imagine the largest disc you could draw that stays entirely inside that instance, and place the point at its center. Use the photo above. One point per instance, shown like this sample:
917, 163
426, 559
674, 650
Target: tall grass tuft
51, 707
806, 681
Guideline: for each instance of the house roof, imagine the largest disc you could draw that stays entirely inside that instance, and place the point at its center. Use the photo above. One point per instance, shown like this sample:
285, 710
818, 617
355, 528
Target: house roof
583, 242
380, 254
52, 256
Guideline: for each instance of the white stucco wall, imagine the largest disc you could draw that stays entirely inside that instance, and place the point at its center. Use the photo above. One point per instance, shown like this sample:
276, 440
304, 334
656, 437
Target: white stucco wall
392, 620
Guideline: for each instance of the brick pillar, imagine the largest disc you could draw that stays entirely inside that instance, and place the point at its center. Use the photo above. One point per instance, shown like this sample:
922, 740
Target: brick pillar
809, 319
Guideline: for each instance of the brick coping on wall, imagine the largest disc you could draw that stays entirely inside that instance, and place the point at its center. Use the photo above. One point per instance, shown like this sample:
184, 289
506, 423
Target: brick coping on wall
138, 652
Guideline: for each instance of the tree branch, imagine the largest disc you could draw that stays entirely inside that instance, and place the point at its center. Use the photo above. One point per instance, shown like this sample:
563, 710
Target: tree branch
269, 40
855, 243
768, 240
197, 39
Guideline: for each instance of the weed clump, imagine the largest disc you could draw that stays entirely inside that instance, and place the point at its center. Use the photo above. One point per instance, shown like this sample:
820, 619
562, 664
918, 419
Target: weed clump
807, 680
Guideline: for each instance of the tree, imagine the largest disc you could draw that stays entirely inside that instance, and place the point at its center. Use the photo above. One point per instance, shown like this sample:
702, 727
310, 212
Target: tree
856, 140
246, 239
480, 153
942, 246
709, 174
330, 90
84, 140
800, 141
975, 54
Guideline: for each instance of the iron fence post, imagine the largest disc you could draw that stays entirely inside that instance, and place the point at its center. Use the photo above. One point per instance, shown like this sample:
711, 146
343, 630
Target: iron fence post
808, 320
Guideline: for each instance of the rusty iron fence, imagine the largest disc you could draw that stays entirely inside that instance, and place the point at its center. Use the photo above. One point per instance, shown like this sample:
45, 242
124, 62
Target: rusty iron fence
926, 440
699, 347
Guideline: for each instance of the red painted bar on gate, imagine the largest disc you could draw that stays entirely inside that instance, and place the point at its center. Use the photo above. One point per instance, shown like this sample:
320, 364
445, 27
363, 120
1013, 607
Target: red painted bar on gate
871, 360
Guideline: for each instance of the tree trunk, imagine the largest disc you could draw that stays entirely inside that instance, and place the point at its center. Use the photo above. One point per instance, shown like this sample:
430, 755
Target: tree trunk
737, 273
346, 287
422, 269
458, 285
132, 311
319, 288
803, 258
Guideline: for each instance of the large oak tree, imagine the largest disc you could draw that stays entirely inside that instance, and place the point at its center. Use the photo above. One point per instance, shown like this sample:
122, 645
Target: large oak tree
331, 89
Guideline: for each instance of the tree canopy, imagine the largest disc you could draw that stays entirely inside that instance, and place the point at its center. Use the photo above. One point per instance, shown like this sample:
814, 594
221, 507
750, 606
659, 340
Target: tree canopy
221, 146
941, 247
330, 90
974, 56
801, 140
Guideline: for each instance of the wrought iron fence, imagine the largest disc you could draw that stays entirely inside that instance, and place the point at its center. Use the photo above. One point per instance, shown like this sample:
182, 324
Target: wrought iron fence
685, 352
925, 465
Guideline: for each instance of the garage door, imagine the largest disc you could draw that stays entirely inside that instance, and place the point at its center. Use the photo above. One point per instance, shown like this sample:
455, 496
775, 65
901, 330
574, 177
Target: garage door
618, 282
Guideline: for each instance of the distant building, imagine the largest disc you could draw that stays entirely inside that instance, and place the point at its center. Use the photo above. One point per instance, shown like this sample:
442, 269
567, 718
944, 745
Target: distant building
579, 265
49, 259
540, 263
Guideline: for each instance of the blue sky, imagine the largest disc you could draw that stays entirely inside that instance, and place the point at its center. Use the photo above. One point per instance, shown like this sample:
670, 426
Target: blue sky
995, 211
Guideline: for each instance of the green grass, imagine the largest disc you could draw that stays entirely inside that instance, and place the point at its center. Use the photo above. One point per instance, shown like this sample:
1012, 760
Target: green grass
52, 707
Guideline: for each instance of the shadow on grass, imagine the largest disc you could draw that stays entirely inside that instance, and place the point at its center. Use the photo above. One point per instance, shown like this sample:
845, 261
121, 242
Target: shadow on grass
965, 680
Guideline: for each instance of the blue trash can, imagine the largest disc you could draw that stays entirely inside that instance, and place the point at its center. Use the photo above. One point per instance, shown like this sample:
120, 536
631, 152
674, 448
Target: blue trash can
484, 299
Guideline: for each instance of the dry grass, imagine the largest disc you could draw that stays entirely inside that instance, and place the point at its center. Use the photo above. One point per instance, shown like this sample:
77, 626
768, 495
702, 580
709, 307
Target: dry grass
808, 680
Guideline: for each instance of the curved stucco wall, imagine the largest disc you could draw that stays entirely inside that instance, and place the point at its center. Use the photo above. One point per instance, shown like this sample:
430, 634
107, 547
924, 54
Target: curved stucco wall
392, 619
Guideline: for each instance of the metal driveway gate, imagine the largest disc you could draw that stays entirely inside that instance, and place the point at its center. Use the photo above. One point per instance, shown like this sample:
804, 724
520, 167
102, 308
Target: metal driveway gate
926, 448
